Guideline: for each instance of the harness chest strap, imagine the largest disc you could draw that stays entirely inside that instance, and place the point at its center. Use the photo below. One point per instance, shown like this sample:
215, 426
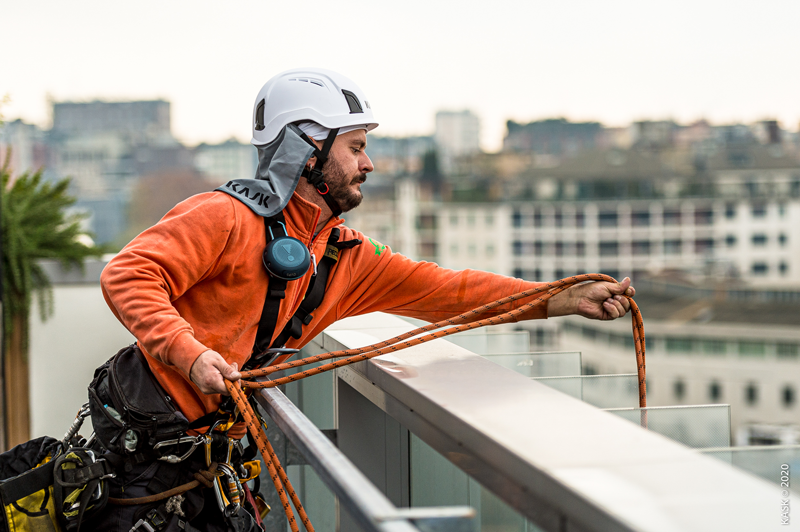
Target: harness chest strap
312, 299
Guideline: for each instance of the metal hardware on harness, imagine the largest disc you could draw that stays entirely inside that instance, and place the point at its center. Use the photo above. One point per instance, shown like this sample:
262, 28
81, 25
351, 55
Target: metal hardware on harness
83, 413
234, 486
174, 459
268, 355
152, 522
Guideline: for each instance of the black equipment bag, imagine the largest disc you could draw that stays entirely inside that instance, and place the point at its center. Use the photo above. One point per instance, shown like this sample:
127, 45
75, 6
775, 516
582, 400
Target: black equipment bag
26, 487
131, 413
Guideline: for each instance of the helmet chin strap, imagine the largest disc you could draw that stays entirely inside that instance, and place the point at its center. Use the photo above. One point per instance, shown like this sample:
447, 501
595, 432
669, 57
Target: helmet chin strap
315, 175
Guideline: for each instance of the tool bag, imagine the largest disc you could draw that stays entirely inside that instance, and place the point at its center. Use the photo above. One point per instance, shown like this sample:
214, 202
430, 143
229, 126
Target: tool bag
26, 487
131, 413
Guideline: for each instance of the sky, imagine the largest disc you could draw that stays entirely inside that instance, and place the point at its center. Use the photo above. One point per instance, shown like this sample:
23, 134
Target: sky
611, 61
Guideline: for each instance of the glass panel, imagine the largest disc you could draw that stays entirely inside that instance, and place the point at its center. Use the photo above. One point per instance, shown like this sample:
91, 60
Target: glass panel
696, 426
437, 482
484, 343
764, 461
540, 364
602, 391
312, 395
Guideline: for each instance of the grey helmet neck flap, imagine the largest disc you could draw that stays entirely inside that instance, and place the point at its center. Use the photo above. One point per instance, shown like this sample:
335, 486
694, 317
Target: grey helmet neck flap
280, 165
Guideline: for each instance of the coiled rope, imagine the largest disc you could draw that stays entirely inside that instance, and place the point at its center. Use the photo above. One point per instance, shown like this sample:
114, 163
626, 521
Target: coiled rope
460, 323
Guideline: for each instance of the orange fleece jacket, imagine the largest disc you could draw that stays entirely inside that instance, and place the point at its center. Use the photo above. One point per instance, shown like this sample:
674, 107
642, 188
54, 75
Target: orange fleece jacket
195, 281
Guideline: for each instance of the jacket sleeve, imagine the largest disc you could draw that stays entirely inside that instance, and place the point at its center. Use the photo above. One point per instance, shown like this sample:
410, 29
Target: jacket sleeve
159, 265
381, 280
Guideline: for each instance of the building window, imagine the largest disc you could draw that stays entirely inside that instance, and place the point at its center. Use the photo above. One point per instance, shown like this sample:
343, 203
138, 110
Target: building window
703, 245
640, 247
783, 267
516, 219
517, 247
715, 391
672, 217
489, 220
580, 249
787, 350
679, 345
517, 273
714, 347
730, 241
558, 218
608, 249
752, 349
751, 394
759, 268
607, 219
537, 219
560, 273
703, 217
471, 250
454, 220
559, 250
782, 239
489, 250
672, 247
454, 249
580, 219
640, 219
679, 389
538, 247
759, 210
471, 220
730, 211
788, 396
759, 239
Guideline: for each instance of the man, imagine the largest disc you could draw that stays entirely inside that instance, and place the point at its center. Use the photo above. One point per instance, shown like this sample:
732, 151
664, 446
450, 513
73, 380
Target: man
192, 288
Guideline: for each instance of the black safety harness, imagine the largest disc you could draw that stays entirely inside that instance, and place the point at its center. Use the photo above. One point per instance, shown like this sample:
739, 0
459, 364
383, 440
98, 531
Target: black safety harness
276, 291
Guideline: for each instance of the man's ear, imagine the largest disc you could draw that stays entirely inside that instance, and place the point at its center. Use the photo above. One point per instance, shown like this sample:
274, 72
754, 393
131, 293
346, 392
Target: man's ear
311, 162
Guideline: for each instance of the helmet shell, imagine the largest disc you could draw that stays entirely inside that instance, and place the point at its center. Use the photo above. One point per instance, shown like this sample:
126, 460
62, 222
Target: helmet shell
317, 94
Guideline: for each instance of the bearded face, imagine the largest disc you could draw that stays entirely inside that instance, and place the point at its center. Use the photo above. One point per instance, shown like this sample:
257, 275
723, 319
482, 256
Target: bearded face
344, 188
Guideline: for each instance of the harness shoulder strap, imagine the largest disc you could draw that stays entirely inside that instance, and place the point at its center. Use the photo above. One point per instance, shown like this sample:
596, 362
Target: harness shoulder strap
272, 303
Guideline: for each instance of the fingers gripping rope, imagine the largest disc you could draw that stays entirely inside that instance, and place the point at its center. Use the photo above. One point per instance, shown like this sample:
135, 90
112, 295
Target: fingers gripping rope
463, 322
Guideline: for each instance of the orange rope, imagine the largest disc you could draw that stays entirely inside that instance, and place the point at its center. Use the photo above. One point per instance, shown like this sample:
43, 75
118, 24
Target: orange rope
460, 323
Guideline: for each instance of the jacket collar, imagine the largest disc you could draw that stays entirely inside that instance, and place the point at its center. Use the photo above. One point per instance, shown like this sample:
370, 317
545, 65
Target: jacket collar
302, 216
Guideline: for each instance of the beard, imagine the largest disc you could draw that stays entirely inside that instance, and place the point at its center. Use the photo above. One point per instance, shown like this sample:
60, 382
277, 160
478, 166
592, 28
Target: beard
341, 185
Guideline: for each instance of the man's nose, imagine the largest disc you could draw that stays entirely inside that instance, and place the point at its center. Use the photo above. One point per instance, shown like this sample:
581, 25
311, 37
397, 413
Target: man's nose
366, 164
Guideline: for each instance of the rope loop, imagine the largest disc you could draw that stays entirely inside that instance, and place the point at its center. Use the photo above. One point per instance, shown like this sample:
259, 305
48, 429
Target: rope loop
463, 322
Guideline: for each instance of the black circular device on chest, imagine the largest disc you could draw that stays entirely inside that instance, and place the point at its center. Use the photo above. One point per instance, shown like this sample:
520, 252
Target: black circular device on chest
286, 257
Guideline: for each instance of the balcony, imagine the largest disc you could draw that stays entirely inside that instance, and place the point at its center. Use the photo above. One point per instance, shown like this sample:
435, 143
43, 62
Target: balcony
522, 438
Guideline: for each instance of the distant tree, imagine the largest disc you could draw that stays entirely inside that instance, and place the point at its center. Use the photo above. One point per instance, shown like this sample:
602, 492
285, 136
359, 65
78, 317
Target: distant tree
155, 194
430, 168
34, 225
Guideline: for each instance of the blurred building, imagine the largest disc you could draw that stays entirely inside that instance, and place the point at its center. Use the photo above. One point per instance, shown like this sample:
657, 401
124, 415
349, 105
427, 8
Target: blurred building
105, 147
457, 135
710, 345
226, 161
25, 146
556, 137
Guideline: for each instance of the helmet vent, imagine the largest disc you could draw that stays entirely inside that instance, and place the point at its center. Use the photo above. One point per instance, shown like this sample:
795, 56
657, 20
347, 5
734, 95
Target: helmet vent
260, 115
352, 102
309, 80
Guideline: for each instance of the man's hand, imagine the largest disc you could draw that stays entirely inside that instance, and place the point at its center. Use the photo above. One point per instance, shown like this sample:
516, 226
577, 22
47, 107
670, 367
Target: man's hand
597, 300
208, 371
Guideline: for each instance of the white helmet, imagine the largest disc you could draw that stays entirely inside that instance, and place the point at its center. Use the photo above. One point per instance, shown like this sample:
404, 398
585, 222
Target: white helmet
316, 94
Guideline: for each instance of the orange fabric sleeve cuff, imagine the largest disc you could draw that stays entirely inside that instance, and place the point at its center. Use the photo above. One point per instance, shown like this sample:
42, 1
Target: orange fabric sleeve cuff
183, 351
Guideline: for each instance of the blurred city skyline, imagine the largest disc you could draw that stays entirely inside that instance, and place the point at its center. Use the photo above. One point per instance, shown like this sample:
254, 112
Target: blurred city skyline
517, 61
